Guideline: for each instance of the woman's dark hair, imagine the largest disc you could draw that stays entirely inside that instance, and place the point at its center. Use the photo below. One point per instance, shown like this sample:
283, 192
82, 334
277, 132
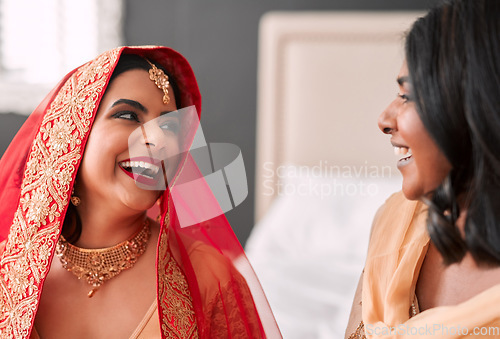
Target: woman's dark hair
72, 227
453, 56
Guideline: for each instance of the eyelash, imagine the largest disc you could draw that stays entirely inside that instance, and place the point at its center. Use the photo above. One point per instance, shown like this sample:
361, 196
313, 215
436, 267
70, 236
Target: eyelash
405, 97
173, 126
120, 115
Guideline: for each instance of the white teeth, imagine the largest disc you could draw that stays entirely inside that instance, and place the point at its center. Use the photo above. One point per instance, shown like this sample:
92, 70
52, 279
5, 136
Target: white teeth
401, 150
141, 164
405, 152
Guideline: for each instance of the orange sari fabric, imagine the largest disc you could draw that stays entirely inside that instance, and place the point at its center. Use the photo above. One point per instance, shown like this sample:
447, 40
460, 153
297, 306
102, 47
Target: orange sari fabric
398, 246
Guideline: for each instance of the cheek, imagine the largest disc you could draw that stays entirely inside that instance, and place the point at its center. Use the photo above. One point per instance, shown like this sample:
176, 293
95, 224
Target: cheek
92, 153
174, 155
103, 147
173, 146
436, 168
97, 137
430, 162
410, 126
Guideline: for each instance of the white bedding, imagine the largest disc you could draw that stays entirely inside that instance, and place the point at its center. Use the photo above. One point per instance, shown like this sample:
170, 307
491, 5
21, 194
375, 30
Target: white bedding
309, 249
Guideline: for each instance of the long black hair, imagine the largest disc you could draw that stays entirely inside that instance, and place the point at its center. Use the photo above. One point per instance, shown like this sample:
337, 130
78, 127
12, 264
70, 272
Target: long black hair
453, 56
72, 226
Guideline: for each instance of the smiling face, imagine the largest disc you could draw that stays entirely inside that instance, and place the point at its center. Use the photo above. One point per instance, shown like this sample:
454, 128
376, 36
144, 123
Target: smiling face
421, 162
108, 172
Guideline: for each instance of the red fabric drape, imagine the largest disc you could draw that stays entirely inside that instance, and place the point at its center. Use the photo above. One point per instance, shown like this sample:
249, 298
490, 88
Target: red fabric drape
206, 287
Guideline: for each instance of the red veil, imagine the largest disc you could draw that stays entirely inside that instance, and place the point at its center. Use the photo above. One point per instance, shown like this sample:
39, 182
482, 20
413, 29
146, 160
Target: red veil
205, 285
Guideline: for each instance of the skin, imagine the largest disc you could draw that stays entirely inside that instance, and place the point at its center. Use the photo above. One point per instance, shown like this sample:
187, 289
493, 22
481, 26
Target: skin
113, 208
428, 166
437, 284
101, 184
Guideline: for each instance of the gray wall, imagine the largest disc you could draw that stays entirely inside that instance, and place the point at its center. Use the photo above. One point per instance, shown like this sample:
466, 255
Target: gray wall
9, 125
219, 38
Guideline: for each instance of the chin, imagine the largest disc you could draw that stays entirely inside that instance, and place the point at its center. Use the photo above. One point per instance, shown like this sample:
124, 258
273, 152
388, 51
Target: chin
141, 202
411, 192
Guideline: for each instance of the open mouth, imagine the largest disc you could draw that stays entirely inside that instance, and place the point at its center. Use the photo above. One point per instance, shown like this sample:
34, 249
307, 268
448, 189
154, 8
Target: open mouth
142, 169
145, 169
404, 152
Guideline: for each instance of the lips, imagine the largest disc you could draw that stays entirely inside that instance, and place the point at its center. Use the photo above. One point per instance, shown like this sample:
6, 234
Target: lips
404, 152
142, 169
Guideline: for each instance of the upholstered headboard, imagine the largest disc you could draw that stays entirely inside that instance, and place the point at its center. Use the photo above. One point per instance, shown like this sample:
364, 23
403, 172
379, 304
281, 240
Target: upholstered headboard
323, 79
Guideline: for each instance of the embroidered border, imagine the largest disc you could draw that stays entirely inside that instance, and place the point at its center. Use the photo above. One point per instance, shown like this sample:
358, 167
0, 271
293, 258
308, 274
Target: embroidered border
51, 166
177, 314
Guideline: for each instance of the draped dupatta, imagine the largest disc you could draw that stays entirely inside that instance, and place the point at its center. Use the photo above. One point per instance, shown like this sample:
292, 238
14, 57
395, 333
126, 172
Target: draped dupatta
205, 285
398, 245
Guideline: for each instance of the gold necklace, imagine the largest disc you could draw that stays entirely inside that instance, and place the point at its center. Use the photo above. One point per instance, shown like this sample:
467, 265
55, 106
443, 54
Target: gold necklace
99, 265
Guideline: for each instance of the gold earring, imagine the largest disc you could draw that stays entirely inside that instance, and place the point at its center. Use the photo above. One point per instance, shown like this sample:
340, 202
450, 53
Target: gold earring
74, 199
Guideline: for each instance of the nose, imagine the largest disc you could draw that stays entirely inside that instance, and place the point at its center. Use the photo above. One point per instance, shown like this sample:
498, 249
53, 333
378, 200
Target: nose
387, 119
153, 135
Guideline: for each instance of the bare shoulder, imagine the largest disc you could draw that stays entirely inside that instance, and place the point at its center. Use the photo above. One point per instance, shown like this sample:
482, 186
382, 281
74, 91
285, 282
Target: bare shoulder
210, 263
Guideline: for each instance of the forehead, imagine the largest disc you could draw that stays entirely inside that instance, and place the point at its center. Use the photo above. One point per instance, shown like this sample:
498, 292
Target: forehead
136, 85
403, 77
404, 68
130, 81
403, 71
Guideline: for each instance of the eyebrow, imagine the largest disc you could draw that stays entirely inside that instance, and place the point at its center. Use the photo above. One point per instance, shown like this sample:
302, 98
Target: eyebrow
139, 106
402, 80
132, 103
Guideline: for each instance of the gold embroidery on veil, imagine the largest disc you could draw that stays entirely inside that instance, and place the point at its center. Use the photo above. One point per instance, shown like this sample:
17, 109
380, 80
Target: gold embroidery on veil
178, 316
50, 167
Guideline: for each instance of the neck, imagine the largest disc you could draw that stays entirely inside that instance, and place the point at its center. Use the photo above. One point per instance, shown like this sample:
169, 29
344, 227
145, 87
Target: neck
104, 227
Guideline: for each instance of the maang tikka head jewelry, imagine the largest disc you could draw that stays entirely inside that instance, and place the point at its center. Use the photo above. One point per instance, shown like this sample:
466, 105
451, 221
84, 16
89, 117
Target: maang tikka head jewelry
160, 79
